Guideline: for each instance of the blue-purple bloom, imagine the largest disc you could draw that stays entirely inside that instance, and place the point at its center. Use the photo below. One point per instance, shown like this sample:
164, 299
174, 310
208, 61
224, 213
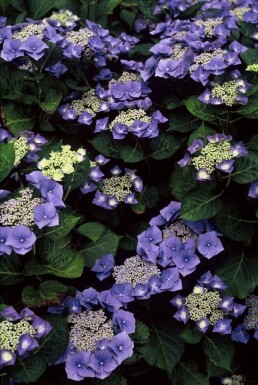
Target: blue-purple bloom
209, 244
103, 267
34, 47
222, 326
46, 215
21, 239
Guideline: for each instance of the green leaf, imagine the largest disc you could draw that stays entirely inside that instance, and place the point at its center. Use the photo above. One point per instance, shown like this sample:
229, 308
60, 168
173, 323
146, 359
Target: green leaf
198, 109
184, 123
3, 6
10, 269
147, 8
246, 168
142, 333
107, 243
67, 221
191, 335
164, 146
92, 230
18, 119
215, 371
11, 84
7, 157
61, 262
106, 7
131, 154
149, 196
106, 145
51, 101
71, 83
129, 240
164, 349
200, 204
67, 4
48, 292
201, 133
188, 373
182, 181
220, 350
76, 178
250, 110
234, 223
250, 56
51, 56
29, 370
128, 17
39, 8
240, 273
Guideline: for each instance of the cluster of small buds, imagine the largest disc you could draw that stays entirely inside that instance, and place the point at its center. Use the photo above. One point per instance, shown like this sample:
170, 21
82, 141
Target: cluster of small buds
207, 307
79, 38
128, 117
19, 334
205, 58
135, 271
180, 230
236, 379
88, 328
20, 148
114, 190
30, 29
61, 162
251, 318
252, 68
20, 210
218, 154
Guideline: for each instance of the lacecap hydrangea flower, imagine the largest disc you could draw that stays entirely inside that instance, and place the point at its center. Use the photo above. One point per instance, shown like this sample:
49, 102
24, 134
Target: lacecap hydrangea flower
99, 340
206, 306
175, 243
217, 154
121, 187
20, 334
35, 205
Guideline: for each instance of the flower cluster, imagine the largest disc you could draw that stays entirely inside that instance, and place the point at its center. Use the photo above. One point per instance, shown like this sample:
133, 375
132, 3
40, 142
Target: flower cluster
99, 341
206, 306
34, 205
236, 379
175, 244
120, 187
61, 162
20, 334
217, 154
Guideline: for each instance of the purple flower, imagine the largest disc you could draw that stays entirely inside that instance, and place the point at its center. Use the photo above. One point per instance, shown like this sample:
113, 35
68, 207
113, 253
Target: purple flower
108, 301
178, 301
182, 314
88, 297
226, 303
253, 190
226, 165
21, 239
240, 334
7, 358
222, 326
152, 235
11, 50
186, 262
165, 68
103, 363
57, 69
171, 211
155, 285
217, 284
10, 314
26, 344
122, 291
117, 90
41, 327
46, 215
238, 149
100, 199
77, 366
148, 251
34, 47
122, 347
133, 88
209, 244
5, 233
73, 51
237, 309
216, 65
85, 118
195, 146
124, 321
170, 279
202, 175
203, 325
141, 290
149, 68
104, 266
27, 314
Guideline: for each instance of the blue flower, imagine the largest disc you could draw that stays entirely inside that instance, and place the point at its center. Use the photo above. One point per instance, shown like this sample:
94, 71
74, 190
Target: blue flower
11, 50
21, 239
122, 347
186, 262
88, 297
5, 233
26, 344
46, 215
222, 326
104, 266
34, 47
103, 362
240, 334
124, 321
77, 366
209, 244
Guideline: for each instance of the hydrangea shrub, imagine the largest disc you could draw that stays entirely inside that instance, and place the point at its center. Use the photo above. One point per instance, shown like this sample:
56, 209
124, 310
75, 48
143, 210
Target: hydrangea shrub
128, 192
